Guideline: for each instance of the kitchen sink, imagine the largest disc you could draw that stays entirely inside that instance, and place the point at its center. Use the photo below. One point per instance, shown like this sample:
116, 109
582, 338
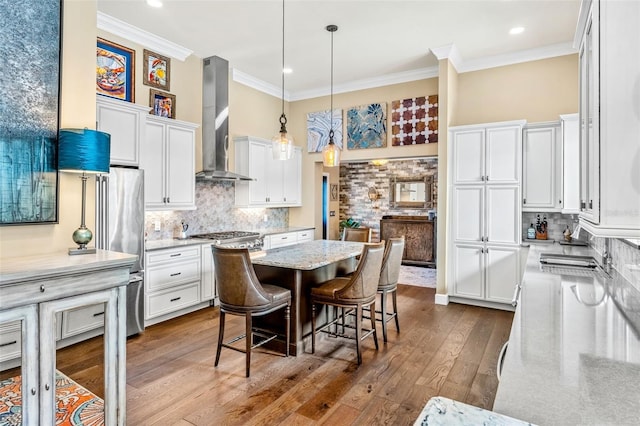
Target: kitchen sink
568, 264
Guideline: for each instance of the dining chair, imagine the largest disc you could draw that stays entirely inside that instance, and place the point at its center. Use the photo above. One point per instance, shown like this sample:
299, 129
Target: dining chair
241, 293
362, 235
388, 283
355, 292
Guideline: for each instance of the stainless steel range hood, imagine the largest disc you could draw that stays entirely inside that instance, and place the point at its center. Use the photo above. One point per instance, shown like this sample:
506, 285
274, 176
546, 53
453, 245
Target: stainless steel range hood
215, 121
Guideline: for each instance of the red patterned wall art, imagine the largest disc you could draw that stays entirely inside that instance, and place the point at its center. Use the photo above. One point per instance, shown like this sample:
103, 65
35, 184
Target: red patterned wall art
414, 121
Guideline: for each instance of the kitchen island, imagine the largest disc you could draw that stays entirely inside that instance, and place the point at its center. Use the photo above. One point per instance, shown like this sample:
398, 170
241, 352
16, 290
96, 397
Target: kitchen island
574, 350
299, 268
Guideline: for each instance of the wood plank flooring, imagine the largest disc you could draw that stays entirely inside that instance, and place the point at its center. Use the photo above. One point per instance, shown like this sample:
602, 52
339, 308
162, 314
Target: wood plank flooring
441, 350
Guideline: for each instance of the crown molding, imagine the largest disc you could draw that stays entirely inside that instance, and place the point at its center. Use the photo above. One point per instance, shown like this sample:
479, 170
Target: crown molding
529, 55
260, 85
368, 83
449, 52
157, 44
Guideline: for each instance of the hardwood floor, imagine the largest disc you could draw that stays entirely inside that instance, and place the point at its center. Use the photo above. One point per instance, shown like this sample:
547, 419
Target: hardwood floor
441, 350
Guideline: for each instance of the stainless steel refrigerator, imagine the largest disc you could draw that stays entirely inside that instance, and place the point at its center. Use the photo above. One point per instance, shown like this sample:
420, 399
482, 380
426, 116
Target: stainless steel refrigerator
120, 227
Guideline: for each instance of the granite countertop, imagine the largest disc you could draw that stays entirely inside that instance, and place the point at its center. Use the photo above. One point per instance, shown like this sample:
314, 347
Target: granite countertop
441, 411
309, 255
151, 245
574, 348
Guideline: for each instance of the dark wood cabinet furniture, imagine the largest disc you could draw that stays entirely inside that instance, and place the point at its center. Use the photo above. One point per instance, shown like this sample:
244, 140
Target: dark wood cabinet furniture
420, 237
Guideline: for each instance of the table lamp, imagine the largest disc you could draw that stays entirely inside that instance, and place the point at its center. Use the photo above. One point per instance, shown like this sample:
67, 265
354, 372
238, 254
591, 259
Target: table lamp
83, 151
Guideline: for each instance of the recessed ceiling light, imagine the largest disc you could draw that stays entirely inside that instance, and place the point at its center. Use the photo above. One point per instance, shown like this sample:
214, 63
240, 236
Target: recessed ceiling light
154, 3
287, 70
516, 30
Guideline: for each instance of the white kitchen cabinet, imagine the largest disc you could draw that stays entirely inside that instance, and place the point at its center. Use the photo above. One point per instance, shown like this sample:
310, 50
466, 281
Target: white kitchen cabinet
168, 160
83, 319
542, 176
124, 121
285, 239
488, 152
485, 212
570, 163
172, 284
608, 45
207, 276
276, 183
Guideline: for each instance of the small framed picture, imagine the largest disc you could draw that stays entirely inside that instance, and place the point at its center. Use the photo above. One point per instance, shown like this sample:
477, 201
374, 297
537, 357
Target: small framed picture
163, 104
156, 70
115, 70
334, 192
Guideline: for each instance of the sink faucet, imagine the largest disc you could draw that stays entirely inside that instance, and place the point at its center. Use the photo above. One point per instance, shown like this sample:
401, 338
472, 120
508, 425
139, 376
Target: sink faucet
606, 255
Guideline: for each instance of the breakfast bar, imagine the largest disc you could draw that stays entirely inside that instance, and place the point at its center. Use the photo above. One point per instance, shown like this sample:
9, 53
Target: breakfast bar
299, 268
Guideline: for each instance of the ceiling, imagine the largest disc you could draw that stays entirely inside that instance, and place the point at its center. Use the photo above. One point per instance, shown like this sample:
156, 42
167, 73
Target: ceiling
377, 40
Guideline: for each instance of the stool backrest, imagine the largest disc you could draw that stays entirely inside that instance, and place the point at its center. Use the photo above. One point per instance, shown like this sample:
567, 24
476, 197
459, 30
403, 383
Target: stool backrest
236, 279
363, 283
362, 235
392, 260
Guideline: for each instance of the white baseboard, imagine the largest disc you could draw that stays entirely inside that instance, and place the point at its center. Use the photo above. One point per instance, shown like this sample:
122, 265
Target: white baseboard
442, 299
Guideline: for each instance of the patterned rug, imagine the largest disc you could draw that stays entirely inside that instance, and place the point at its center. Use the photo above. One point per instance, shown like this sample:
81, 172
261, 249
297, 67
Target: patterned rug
75, 405
418, 276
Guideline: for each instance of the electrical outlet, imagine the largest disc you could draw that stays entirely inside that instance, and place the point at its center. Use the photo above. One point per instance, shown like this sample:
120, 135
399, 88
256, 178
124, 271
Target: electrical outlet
156, 225
266, 218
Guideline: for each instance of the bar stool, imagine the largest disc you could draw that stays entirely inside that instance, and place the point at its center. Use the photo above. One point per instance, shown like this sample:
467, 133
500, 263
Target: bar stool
241, 293
389, 281
362, 235
355, 292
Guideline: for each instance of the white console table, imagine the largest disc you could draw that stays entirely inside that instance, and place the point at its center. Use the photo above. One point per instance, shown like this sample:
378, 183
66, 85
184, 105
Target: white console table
33, 289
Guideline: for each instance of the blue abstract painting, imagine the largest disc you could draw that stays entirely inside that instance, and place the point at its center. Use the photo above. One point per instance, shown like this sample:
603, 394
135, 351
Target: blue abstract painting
29, 110
318, 127
367, 126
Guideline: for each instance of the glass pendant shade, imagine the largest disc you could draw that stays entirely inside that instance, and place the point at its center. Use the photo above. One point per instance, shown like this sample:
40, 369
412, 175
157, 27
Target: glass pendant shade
282, 146
331, 154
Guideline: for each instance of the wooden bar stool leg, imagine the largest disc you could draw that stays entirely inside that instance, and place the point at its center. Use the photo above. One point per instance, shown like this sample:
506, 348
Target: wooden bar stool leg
287, 330
394, 296
383, 301
313, 328
220, 338
373, 323
359, 332
249, 338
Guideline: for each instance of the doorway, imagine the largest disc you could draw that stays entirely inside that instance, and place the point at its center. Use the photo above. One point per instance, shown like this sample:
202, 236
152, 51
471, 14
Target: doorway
325, 205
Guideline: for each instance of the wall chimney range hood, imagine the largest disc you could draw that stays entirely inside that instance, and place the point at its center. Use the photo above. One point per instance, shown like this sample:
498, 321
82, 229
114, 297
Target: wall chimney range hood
215, 121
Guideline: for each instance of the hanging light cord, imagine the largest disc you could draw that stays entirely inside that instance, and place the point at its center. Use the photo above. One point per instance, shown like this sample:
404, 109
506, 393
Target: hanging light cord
331, 29
283, 118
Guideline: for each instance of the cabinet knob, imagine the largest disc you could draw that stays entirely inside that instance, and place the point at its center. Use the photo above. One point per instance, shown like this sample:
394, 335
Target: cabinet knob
559, 201
33, 391
590, 204
42, 288
168, 200
524, 201
482, 178
47, 386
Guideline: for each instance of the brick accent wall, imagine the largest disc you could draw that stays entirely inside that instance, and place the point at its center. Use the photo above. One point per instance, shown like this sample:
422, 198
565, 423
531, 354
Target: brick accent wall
357, 178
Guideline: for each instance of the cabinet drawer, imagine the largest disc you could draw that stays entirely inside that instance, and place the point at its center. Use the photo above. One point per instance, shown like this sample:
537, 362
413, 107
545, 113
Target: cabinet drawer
164, 302
282, 240
170, 274
305, 236
171, 255
10, 341
79, 320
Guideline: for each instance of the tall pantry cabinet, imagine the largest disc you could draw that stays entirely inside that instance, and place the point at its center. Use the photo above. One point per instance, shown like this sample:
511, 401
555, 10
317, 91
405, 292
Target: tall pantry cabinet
485, 212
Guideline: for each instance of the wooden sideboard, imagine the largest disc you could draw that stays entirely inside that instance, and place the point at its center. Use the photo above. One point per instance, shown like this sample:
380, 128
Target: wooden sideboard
32, 290
420, 237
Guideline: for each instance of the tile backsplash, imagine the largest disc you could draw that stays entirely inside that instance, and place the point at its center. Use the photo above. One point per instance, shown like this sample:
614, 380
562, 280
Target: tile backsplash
625, 258
215, 211
556, 224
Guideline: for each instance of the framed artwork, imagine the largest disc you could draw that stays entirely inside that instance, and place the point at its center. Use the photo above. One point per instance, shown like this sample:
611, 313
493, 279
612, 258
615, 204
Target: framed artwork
30, 105
156, 70
163, 104
115, 70
318, 126
334, 191
367, 126
414, 121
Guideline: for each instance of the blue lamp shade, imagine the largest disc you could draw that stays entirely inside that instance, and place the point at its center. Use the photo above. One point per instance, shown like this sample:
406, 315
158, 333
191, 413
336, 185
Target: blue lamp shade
84, 151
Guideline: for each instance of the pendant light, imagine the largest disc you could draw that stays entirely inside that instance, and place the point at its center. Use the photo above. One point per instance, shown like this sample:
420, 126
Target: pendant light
331, 152
282, 147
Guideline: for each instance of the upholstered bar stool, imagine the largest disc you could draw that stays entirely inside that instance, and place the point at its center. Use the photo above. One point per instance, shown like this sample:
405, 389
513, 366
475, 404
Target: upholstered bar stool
362, 235
388, 283
241, 293
355, 292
